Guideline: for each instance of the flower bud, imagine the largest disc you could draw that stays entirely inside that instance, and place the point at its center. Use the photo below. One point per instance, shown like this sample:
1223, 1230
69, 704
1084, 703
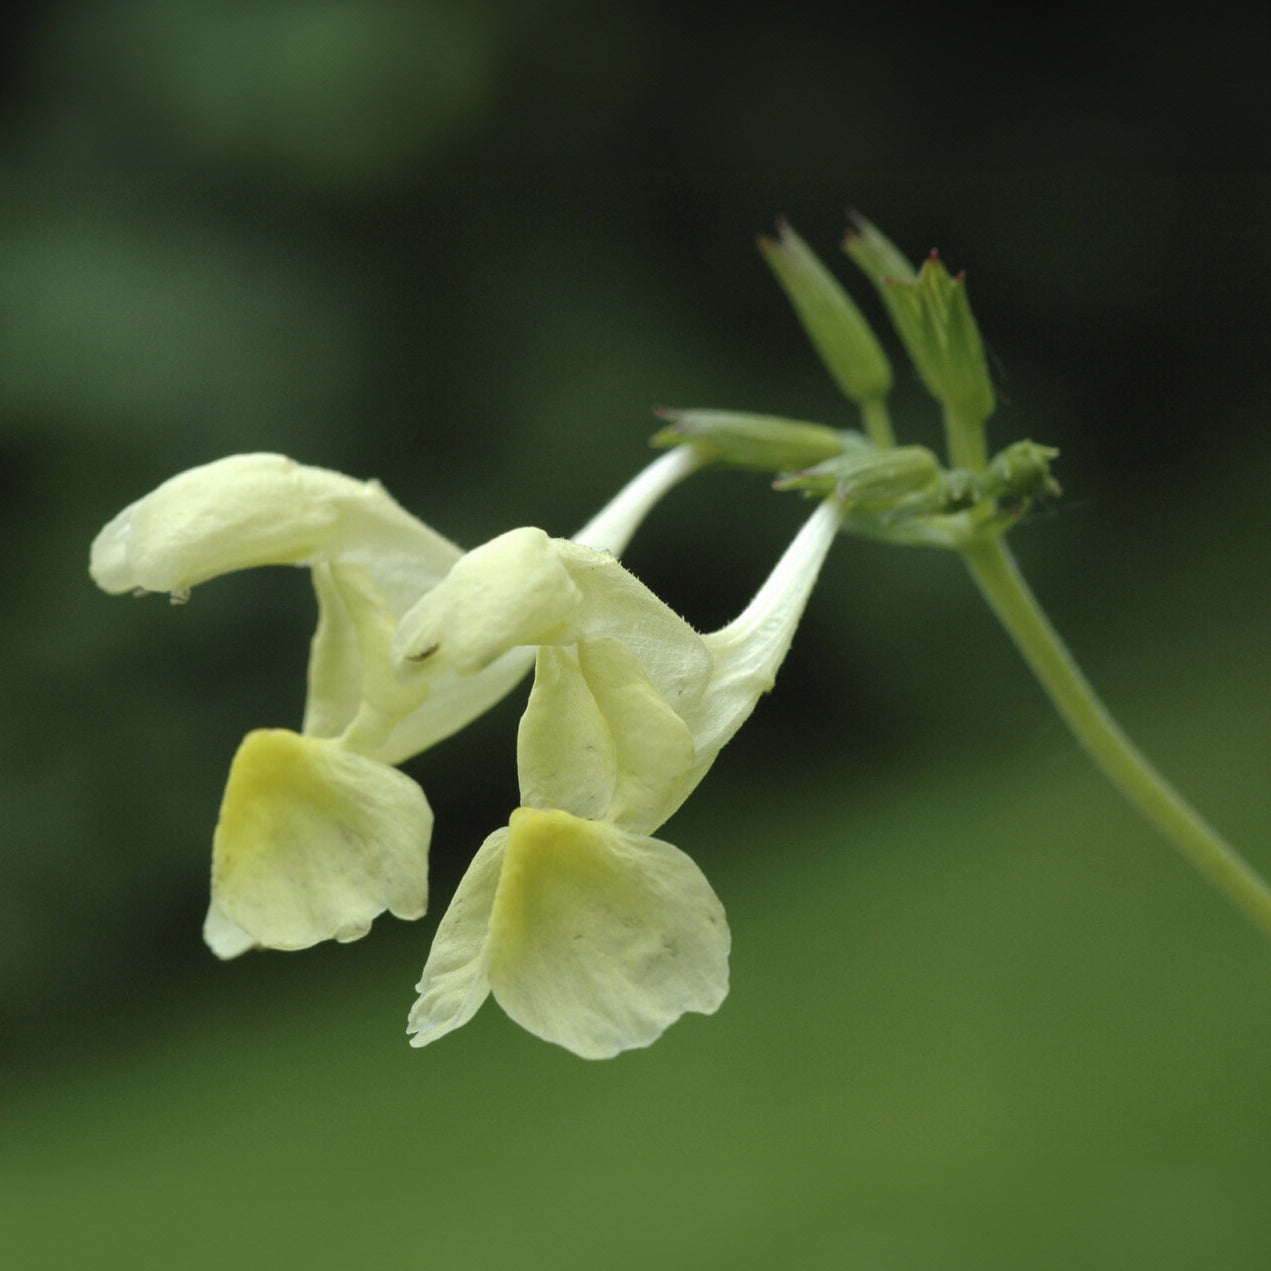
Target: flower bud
933, 317
766, 442
878, 257
873, 480
837, 328
1022, 471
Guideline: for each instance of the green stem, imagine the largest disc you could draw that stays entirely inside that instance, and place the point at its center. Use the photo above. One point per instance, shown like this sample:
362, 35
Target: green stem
878, 422
998, 578
964, 437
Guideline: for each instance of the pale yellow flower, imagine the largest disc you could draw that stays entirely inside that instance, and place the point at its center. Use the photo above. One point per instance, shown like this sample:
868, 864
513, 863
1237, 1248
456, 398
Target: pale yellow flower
318, 833
588, 931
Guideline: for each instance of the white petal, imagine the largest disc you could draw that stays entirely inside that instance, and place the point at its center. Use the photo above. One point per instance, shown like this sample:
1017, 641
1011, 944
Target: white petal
265, 509
355, 694
747, 653
225, 938
652, 744
598, 741
353, 689
616, 604
510, 591
565, 753
453, 701
314, 842
454, 982
600, 939
610, 530
335, 660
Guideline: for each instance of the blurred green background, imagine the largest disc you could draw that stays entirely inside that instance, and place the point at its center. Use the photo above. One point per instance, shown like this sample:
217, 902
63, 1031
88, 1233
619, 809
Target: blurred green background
980, 1016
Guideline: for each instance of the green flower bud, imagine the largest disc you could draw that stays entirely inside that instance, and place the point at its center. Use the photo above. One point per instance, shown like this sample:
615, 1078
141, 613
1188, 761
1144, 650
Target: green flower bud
766, 442
961, 490
875, 480
837, 328
933, 317
1022, 471
878, 257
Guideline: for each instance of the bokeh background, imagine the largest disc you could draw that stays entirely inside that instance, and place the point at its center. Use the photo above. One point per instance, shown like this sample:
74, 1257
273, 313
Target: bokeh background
980, 1016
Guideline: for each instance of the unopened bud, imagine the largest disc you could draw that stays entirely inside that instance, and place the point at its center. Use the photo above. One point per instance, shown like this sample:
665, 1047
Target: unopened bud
933, 317
837, 328
1022, 471
878, 257
877, 480
744, 440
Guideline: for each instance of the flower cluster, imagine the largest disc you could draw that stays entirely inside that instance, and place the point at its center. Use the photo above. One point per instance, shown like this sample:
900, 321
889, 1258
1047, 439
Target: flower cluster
588, 931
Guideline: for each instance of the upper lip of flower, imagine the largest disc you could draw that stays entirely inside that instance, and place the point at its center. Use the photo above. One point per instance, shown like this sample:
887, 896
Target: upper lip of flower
266, 509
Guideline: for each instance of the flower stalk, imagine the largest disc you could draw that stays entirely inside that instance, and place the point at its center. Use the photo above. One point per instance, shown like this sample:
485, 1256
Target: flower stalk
993, 568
